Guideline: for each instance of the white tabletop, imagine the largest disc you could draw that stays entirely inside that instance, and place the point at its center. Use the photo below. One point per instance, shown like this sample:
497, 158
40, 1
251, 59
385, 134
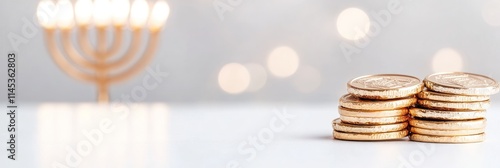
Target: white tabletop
219, 135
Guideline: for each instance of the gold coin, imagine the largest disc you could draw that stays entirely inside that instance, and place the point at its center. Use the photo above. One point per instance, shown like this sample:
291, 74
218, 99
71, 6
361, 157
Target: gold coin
435, 132
430, 95
338, 125
384, 86
448, 125
373, 121
440, 105
370, 113
352, 102
446, 115
461, 83
370, 136
448, 139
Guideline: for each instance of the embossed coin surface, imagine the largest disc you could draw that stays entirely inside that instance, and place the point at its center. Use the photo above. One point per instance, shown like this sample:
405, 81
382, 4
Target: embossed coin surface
461, 83
352, 102
436, 132
384, 86
374, 121
372, 113
441, 105
430, 95
370, 136
447, 115
448, 125
345, 127
447, 139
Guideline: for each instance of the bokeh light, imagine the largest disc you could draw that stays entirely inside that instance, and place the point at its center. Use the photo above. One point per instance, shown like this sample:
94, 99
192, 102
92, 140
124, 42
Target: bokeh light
258, 77
491, 12
353, 24
234, 78
447, 59
283, 62
307, 79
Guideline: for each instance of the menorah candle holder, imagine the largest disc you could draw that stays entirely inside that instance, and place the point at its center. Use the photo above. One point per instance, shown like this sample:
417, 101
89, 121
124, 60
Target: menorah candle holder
102, 63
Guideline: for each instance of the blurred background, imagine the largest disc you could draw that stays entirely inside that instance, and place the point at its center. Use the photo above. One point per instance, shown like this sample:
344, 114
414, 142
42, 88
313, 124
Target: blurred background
275, 51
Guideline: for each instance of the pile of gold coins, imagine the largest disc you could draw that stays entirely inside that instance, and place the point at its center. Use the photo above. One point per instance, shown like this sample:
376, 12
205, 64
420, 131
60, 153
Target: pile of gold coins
376, 107
452, 109
449, 109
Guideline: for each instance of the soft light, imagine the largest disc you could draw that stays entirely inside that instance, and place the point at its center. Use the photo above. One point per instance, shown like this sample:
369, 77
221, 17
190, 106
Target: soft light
353, 23
447, 60
283, 62
102, 12
65, 14
83, 11
121, 9
234, 78
139, 13
159, 15
258, 76
46, 19
307, 79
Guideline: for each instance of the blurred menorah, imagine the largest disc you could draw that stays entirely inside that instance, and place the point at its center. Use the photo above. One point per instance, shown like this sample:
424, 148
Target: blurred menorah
102, 64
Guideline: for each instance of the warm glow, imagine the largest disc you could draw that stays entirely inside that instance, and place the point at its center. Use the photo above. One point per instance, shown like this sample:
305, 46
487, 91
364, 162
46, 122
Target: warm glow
121, 9
283, 62
447, 60
102, 12
83, 12
46, 14
353, 24
159, 15
307, 79
234, 78
65, 14
491, 13
139, 13
258, 76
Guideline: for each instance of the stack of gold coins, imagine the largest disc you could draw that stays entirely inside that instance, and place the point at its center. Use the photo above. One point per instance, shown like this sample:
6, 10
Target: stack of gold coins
452, 108
376, 107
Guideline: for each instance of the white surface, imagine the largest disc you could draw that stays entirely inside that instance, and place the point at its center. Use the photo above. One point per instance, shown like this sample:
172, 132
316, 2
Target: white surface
179, 136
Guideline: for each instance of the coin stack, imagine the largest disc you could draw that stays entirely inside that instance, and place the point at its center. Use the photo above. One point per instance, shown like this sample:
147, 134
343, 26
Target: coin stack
452, 108
376, 107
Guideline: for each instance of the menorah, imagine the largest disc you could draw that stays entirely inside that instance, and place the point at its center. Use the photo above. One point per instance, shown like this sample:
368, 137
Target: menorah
103, 63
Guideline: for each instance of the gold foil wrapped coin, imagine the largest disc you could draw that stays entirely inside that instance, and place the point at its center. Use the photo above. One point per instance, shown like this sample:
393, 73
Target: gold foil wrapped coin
352, 102
448, 125
435, 132
384, 86
430, 95
370, 136
338, 125
371, 113
448, 139
373, 121
461, 83
446, 115
440, 105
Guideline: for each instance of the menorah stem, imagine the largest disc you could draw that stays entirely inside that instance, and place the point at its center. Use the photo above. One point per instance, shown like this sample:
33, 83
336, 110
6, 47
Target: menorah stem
103, 96
101, 72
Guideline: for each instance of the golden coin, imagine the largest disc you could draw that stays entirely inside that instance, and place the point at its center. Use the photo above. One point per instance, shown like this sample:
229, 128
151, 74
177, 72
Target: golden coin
461, 83
370, 136
352, 102
338, 125
373, 121
440, 105
446, 115
435, 132
448, 125
447, 139
430, 95
384, 86
370, 113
